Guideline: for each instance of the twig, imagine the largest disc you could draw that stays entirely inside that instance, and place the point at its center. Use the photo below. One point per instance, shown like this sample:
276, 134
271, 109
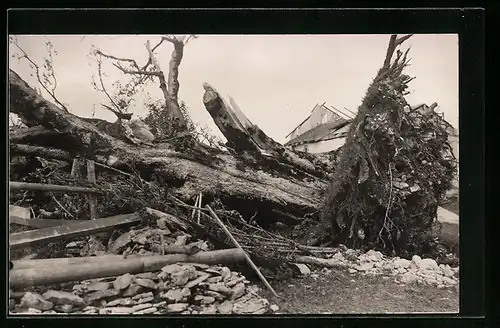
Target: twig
389, 205
195, 205
249, 260
62, 207
37, 70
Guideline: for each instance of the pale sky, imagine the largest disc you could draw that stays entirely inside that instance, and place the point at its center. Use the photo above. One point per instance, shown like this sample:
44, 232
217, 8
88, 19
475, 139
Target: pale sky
275, 79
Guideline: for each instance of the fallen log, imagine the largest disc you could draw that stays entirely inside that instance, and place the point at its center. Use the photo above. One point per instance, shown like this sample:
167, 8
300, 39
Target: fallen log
93, 267
50, 187
29, 150
76, 229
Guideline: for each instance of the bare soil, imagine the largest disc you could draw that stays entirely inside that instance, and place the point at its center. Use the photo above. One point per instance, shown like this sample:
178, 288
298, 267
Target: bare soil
340, 292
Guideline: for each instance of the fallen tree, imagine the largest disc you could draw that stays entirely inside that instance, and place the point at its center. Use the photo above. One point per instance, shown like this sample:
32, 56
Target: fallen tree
230, 178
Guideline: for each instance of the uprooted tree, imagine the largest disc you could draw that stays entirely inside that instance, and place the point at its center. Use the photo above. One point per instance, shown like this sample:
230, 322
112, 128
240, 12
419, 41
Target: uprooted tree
393, 170
367, 202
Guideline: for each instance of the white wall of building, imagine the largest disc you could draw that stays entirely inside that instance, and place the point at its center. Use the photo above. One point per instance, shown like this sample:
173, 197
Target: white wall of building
321, 146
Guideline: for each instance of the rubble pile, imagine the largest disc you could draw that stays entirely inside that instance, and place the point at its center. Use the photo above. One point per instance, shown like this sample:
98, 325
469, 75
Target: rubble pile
177, 288
424, 271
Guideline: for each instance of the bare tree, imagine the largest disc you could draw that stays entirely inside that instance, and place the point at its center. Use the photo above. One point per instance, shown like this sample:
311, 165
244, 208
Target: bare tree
169, 85
47, 77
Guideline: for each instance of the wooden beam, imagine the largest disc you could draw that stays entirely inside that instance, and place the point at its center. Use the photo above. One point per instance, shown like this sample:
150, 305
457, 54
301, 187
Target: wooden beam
92, 197
77, 229
50, 187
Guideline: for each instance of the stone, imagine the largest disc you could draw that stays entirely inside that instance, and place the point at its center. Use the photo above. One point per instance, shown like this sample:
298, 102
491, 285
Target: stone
176, 295
12, 304
62, 298
121, 243
371, 256
218, 296
304, 269
215, 279
408, 278
147, 311
364, 266
251, 306
181, 277
97, 286
351, 270
143, 295
428, 264
123, 281
401, 270
225, 307
233, 283
66, 308
89, 308
213, 270
314, 276
211, 309
220, 289
181, 240
116, 310
146, 283
147, 275
32, 311
225, 273
447, 271
204, 299
146, 300
200, 266
121, 301
50, 312
35, 301
171, 268
197, 281
102, 294
177, 307
238, 291
416, 259
141, 307
133, 290
274, 308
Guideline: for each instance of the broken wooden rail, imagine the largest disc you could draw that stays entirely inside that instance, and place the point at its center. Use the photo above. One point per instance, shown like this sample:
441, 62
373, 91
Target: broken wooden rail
51, 187
76, 229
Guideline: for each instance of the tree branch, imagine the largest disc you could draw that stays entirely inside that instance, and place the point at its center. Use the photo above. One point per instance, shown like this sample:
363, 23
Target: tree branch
37, 71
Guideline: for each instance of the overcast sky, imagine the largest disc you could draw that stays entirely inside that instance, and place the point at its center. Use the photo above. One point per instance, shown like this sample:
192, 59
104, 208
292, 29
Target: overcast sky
275, 79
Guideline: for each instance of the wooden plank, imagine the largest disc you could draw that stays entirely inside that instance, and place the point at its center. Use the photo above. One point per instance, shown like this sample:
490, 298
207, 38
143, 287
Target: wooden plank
50, 187
74, 168
77, 229
38, 223
92, 197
